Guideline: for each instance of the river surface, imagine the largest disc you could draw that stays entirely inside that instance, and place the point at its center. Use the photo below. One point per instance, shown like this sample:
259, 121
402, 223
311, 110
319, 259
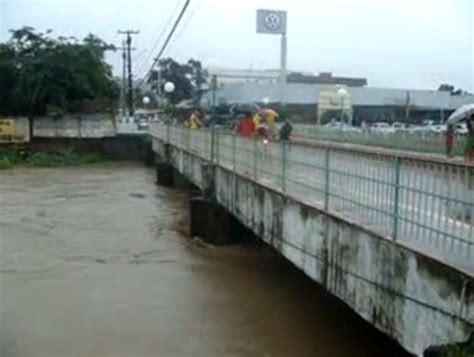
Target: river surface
94, 261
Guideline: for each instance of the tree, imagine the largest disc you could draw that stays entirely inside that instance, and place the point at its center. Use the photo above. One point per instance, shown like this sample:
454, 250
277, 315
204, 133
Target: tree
446, 88
188, 78
43, 74
451, 89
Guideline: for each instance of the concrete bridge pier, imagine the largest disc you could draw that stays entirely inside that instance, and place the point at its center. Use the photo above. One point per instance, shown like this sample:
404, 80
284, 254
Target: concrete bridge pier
165, 174
209, 220
164, 169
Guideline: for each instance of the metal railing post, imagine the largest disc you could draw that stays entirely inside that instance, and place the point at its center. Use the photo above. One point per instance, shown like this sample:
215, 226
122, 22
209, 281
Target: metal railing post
396, 198
283, 166
255, 158
326, 180
168, 134
213, 115
188, 141
233, 152
217, 147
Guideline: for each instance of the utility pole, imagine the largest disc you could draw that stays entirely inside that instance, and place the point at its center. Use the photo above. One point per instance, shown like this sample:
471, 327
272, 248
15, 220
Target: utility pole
123, 91
124, 76
407, 108
128, 46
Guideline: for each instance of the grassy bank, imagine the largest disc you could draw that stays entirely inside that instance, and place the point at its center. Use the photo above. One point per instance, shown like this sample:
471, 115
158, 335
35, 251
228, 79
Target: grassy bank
465, 349
11, 156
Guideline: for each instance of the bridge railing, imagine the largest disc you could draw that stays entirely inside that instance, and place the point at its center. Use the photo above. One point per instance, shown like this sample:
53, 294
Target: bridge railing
426, 204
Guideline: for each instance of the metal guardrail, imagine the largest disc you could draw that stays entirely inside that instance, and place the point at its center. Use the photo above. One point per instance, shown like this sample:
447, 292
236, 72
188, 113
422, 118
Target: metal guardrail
425, 204
424, 142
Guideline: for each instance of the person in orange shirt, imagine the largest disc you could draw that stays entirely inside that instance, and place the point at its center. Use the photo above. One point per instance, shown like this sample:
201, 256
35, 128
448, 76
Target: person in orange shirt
246, 125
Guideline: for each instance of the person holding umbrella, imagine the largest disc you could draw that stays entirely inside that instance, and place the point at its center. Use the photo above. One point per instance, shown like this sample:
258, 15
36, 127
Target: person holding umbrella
469, 153
449, 139
466, 112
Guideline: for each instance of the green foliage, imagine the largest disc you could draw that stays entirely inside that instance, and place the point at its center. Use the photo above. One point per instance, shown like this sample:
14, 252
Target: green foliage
41, 74
333, 114
188, 78
10, 156
5, 163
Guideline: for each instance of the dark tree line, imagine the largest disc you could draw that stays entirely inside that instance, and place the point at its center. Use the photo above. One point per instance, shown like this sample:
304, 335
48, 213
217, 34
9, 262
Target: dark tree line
188, 78
41, 74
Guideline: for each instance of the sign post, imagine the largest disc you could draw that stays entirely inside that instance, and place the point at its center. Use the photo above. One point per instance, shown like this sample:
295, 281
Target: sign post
274, 22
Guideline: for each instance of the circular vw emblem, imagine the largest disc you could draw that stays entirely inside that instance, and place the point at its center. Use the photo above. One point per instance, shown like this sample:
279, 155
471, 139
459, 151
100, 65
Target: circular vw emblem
272, 21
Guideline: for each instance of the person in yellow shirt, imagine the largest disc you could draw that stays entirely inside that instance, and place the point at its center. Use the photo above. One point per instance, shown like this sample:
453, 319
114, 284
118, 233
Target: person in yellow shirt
269, 116
194, 121
256, 119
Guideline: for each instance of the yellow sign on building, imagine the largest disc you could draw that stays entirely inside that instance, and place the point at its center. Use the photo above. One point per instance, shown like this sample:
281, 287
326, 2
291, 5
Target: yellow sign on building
14, 130
7, 129
331, 101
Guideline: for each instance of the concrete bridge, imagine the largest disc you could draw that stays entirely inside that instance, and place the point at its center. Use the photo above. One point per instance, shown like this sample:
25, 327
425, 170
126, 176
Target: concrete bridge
391, 236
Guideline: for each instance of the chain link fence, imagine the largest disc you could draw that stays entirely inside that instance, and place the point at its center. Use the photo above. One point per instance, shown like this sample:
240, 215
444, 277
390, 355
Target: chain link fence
423, 142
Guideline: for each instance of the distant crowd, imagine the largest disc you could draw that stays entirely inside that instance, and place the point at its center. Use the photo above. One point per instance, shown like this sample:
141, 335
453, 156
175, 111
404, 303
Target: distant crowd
247, 123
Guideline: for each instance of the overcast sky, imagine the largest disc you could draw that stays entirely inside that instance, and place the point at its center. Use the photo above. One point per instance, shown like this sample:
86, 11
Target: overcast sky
394, 43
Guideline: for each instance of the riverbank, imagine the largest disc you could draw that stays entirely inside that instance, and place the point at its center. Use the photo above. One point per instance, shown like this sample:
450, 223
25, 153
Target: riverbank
53, 152
14, 156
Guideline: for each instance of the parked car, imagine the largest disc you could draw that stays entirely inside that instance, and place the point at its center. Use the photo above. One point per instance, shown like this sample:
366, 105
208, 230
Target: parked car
461, 128
399, 126
336, 125
381, 127
438, 129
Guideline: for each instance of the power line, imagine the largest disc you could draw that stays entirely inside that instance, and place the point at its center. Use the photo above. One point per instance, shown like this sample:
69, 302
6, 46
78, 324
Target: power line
178, 36
163, 48
157, 39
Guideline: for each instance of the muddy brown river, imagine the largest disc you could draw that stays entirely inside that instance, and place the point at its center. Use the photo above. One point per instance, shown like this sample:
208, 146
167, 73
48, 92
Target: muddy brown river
94, 261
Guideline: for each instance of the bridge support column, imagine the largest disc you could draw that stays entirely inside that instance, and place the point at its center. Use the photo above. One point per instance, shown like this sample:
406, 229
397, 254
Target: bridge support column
208, 184
209, 221
215, 225
164, 174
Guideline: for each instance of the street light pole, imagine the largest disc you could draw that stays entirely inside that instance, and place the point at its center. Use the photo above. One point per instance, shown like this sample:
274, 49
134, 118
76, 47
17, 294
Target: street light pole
341, 118
342, 94
283, 69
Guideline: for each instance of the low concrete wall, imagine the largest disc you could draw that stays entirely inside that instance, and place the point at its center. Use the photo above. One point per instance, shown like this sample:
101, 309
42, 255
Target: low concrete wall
416, 300
75, 126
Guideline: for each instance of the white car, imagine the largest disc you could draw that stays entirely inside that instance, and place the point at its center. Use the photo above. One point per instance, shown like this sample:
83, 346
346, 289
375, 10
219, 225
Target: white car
382, 128
461, 128
438, 129
398, 126
336, 125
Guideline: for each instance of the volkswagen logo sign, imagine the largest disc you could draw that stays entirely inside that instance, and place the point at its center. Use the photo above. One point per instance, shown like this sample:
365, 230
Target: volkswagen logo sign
272, 21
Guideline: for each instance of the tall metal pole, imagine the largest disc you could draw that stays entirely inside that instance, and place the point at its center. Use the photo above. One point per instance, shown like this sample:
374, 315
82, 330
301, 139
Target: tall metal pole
283, 69
124, 76
130, 79
213, 115
128, 46
159, 85
407, 108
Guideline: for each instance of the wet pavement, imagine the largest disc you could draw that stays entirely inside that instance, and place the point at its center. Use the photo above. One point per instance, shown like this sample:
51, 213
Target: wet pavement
94, 261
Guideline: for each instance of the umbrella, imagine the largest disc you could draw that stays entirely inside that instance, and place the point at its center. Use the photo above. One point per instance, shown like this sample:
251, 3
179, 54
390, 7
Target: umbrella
186, 104
270, 112
242, 108
461, 113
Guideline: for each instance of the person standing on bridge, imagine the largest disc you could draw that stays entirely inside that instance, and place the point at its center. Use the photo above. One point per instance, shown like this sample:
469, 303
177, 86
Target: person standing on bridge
245, 125
469, 153
285, 130
194, 121
449, 140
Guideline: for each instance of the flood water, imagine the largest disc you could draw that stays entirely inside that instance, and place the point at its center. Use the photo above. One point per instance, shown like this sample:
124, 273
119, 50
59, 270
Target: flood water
94, 261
